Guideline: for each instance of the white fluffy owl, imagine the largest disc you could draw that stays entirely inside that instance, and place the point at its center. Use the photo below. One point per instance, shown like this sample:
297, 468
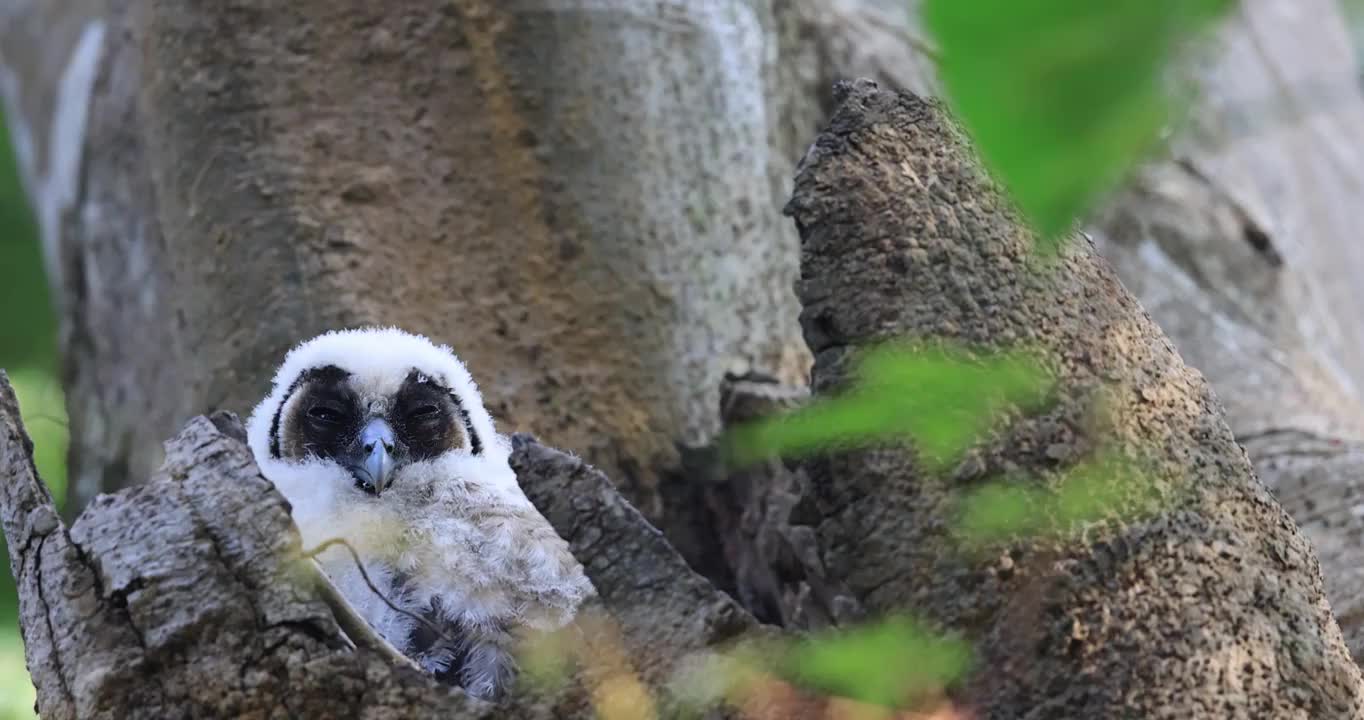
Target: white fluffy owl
380, 438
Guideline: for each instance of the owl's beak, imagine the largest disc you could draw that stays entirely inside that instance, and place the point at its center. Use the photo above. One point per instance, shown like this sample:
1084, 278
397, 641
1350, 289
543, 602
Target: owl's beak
377, 441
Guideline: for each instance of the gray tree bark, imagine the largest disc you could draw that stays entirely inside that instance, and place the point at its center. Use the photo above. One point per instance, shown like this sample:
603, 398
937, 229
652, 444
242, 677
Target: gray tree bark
184, 596
71, 77
188, 596
178, 175
531, 182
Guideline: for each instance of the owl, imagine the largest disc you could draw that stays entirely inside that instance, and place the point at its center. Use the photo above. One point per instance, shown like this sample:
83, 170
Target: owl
380, 438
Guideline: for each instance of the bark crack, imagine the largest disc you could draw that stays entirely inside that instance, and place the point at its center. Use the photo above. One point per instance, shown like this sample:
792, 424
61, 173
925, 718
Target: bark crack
47, 622
26, 549
203, 529
116, 602
1251, 231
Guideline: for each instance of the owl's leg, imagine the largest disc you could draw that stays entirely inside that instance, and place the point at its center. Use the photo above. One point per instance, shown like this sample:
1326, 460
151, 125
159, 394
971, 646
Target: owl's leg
489, 662
439, 660
478, 657
437, 643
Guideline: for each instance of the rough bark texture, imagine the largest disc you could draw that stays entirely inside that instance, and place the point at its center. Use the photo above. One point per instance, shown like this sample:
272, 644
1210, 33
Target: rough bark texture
182, 596
902, 236
1240, 244
188, 596
530, 181
573, 211
185, 596
518, 232
172, 599
762, 546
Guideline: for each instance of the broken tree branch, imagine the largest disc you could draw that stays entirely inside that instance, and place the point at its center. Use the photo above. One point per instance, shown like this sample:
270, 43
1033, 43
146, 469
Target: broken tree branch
1216, 600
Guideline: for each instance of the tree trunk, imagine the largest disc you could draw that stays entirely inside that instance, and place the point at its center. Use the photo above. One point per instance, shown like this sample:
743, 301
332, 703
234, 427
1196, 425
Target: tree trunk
1241, 245
532, 182
223, 175
1214, 601
82, 157
185, 596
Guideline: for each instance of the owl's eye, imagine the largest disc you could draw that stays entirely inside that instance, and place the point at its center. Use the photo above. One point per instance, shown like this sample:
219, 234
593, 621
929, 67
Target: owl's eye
324, 415
424, 412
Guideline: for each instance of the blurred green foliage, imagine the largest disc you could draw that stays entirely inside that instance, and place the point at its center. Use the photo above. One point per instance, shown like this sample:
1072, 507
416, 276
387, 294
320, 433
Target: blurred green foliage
1008, 509
28, 353
1062, 97
28, 333
1353, 11
895, 662
943, 399
545, 660
940, 397
16, 691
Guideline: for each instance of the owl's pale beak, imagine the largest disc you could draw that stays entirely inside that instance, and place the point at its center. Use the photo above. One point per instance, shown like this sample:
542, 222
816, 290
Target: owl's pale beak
377, 441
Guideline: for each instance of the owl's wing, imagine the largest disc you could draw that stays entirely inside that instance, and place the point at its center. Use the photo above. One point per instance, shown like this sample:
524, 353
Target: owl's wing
482, 564
553, 583
478, 544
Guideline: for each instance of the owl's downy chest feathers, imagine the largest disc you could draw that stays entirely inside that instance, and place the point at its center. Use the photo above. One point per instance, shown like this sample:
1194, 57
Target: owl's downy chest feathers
473, 540
456, 529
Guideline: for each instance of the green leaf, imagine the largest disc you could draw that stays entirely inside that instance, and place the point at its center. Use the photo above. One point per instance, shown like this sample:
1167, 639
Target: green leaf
1105, 487
999, 511
941, 398
1061, 97
545, 660
892, 663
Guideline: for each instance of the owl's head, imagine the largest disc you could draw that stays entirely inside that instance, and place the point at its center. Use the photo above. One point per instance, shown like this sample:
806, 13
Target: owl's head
371, 400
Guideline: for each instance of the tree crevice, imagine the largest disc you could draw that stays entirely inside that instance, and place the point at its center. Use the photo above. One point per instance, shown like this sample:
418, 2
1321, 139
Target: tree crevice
44, 609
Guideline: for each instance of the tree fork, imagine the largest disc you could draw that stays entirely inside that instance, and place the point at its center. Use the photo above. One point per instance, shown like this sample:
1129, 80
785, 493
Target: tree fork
189, 595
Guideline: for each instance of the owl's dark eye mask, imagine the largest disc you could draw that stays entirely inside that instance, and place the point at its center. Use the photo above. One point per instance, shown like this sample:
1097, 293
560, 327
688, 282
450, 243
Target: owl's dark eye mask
434, 417
426, 418
326, 415
314, 383
330, 422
